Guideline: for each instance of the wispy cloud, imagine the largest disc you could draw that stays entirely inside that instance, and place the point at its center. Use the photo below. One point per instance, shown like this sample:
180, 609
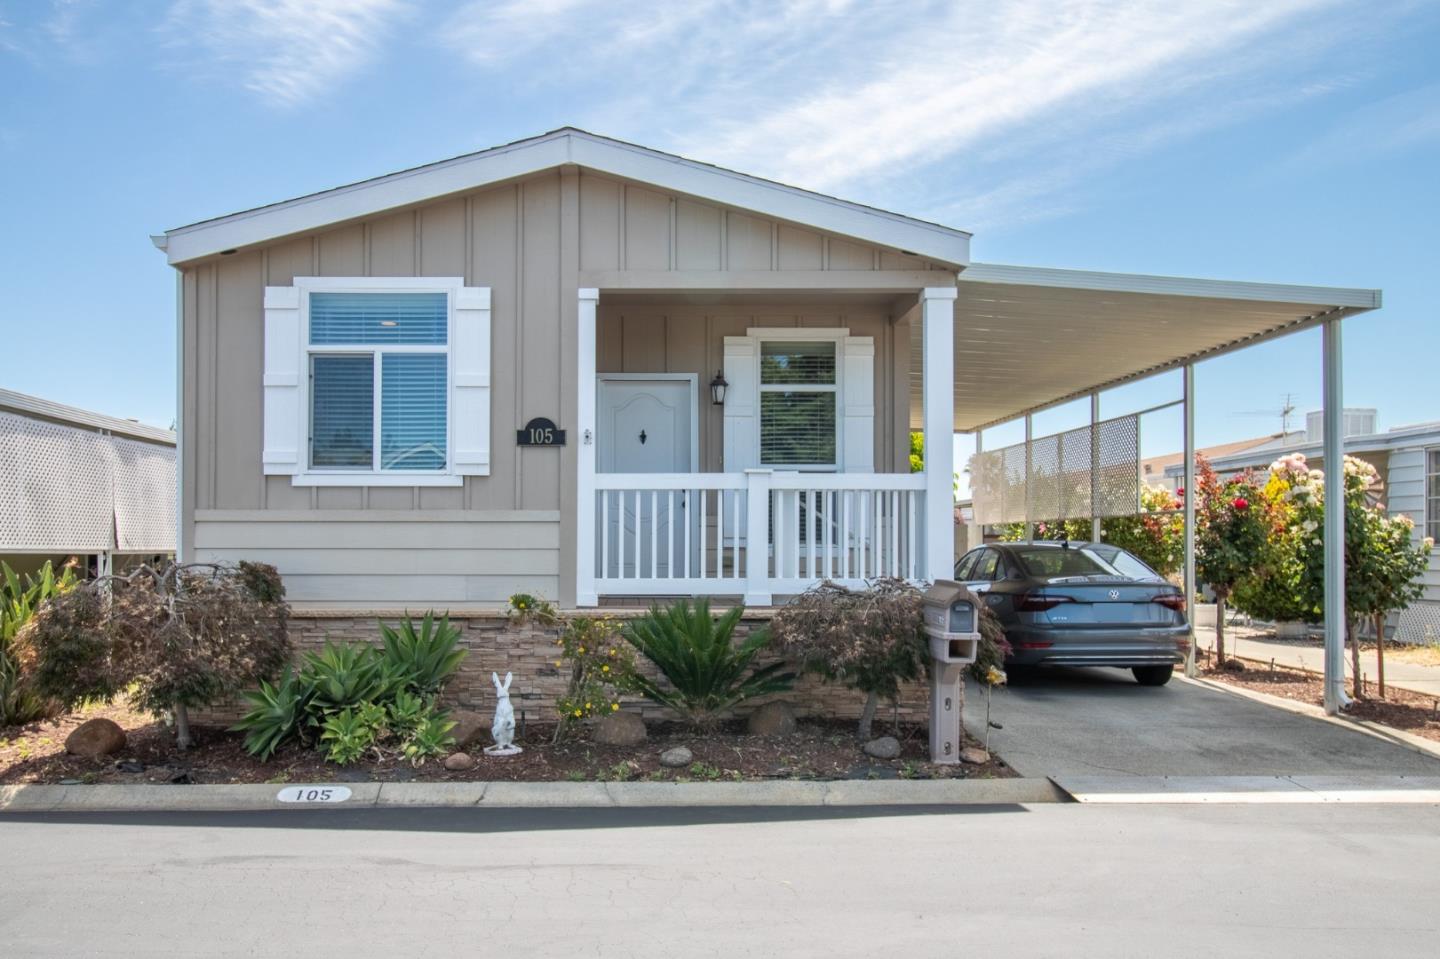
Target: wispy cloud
988, 109
288, 51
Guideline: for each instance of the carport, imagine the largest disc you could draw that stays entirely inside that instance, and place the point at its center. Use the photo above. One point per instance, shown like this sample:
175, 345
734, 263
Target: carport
1027, 339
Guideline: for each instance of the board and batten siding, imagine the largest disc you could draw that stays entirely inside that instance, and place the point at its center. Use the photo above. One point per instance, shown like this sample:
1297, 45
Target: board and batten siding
1406, 494
667, 338
527, 241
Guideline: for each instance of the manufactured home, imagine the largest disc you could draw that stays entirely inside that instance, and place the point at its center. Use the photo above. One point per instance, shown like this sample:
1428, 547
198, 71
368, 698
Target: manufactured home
580, 368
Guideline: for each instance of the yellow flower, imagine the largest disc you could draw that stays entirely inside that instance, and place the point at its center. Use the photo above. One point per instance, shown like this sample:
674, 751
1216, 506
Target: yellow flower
558, 663
587, 705
605, 668
577, 712
614, 706
582, 649
612, 652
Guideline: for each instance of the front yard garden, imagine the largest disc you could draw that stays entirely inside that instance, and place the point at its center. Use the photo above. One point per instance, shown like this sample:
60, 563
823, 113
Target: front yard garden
100, 679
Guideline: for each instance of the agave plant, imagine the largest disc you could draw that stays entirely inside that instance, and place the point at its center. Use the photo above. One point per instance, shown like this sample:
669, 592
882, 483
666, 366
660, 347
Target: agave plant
344, 676
708, 674
425, 658
275, 715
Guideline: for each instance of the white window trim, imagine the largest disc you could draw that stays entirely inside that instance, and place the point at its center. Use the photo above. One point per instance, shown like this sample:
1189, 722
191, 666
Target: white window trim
785, 334
305, 285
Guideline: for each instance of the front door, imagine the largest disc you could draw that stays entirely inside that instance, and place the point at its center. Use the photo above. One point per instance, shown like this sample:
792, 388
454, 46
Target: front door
645, 424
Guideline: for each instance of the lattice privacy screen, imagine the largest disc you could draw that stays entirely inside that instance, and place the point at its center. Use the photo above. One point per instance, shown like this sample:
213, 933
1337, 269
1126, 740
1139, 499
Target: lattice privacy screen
70, 490
1058, 482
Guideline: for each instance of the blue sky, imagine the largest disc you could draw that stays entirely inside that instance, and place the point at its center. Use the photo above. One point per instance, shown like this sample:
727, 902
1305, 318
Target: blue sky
1288, 141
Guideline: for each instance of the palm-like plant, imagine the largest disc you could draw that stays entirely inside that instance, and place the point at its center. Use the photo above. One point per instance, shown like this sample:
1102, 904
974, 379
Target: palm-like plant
427, 657
707, 672
347, 675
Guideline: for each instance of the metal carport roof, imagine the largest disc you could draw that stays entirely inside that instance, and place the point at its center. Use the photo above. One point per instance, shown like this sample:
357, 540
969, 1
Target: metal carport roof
1031, 337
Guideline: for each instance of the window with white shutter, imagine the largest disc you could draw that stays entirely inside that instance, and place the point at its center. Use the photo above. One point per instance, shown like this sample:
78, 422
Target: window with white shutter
377, 381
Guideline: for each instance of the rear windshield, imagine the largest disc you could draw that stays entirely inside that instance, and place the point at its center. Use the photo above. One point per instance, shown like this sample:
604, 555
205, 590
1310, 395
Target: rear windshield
1050, 562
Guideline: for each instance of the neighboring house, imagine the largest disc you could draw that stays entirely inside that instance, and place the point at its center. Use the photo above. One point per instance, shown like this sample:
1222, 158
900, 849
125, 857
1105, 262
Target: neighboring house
1408, 461
1167, 470
592, 371
82, 486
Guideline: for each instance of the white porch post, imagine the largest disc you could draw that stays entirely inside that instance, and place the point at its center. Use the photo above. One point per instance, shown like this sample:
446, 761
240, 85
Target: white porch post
757, 538
585, 463
1334, 455
937, 308
1188, 413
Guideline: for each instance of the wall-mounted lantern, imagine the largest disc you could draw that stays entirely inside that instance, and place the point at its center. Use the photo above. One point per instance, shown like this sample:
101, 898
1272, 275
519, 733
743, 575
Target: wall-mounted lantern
718, 386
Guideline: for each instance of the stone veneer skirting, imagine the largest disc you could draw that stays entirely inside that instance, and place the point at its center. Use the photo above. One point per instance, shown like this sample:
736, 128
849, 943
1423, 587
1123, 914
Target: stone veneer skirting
529, 651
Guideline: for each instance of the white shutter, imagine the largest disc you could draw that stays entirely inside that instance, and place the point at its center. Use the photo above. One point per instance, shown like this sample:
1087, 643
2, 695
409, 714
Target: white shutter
470, 406
742, 414
857, 405
283, 355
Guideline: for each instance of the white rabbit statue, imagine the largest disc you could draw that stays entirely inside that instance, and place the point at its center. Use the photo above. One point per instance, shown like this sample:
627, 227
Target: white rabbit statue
503, 729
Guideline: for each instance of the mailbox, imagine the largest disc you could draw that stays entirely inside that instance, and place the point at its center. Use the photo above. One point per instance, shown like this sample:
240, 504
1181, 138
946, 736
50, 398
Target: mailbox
952, 622
952, 625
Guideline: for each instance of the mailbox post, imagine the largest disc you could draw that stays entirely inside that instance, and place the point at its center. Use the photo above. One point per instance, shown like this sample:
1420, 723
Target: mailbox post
952, 625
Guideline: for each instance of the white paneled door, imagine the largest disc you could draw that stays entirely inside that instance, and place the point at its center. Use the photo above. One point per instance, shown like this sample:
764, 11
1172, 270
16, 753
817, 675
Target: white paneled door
645, 425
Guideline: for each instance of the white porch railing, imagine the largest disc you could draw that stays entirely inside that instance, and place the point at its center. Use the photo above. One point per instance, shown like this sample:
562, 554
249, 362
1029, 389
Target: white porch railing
755, 534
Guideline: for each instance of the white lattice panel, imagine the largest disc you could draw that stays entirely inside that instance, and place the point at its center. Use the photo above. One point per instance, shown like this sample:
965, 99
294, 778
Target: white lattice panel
65, 490
144, 483
1058, 480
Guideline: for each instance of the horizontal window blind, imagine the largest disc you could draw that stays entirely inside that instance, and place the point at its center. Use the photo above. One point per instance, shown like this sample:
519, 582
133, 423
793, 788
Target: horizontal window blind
412, 411
797, 363
381, 319
342, 412
797, 429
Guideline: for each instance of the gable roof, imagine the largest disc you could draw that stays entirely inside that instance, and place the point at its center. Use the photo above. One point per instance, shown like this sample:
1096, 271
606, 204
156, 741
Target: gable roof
554, 149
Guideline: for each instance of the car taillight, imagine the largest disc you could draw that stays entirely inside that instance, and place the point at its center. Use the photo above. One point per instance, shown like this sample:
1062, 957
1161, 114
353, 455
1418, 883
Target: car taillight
1033, 603
1174, 601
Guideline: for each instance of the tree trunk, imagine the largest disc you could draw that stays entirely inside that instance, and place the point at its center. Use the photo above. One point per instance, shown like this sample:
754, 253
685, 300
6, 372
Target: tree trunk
182, 728
1219, 629
1380, 653
867, 715
1354, 658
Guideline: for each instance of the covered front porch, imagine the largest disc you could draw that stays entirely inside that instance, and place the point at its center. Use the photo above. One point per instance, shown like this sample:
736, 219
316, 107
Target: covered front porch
964, 351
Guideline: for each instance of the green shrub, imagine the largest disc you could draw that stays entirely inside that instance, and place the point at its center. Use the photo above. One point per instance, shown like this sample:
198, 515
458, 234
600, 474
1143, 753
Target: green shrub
707, 673
344, 676
277, 713
347, 734
426, 658
19, 600
431, 737
599, 664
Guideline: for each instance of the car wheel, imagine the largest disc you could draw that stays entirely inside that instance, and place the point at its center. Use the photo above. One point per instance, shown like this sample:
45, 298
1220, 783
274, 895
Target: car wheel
1018, 675
1153, 675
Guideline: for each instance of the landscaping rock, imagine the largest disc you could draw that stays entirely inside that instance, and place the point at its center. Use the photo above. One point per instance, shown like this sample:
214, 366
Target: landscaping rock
459, 762
772, 719
974, 755
886, 747
619, 729
95, 738
677, 757
469, 726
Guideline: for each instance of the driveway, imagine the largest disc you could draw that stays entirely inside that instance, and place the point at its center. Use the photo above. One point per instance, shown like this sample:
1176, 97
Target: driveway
1098, 722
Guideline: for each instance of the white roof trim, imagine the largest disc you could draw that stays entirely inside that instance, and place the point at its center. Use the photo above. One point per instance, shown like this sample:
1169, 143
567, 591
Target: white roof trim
558, 148
34, 406
1324, 296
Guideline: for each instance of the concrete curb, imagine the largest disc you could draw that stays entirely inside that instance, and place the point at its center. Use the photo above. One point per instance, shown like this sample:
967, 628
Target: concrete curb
1389, 734
541, 795
1130, 790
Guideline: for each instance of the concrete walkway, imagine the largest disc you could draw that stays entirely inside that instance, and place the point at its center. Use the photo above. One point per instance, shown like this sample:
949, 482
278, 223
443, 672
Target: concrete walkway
1259, 644
1099, 722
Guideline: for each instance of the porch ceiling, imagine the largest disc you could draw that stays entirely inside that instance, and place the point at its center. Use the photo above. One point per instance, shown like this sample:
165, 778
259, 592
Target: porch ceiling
1027, 337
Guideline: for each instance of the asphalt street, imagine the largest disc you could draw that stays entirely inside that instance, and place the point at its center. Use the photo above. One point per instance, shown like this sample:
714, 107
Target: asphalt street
1087, 722
1053, 880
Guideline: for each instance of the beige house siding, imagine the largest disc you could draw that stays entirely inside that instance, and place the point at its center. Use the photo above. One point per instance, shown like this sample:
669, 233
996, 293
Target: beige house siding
528, 241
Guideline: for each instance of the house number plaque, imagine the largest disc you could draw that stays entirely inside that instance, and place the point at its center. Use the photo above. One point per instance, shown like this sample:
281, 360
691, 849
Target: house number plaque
540, 432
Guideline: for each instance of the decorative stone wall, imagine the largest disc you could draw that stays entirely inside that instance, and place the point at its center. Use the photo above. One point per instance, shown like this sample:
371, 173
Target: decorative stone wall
529, 650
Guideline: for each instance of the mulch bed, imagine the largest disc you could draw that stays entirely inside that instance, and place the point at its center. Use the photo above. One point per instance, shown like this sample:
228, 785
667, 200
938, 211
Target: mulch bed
35, 753
1401, 709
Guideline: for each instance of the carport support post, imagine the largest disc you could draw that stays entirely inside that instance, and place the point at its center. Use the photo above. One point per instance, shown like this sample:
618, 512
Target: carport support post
1188, 415
1029, 435
1095, 467
1334, 455
937, 308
